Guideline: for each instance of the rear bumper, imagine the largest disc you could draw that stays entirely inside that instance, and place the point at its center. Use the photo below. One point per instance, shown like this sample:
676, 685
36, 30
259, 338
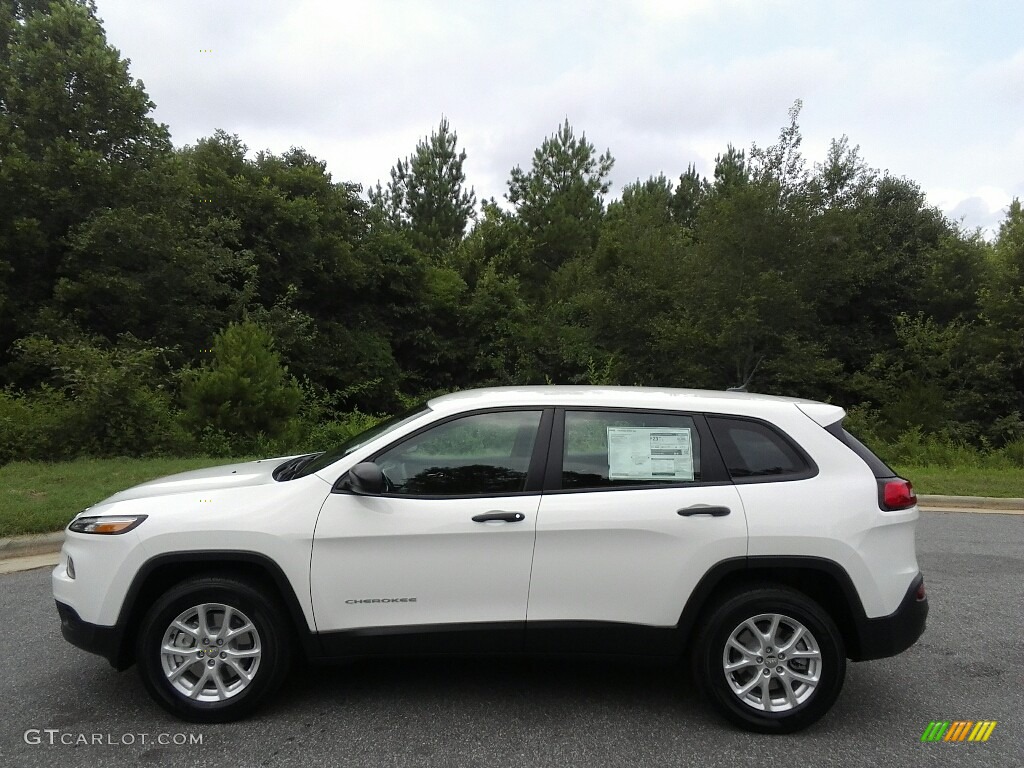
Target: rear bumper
103, 641
892, 634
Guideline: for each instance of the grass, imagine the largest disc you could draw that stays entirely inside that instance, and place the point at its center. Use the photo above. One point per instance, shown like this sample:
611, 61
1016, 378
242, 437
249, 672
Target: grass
39, 497
965, 481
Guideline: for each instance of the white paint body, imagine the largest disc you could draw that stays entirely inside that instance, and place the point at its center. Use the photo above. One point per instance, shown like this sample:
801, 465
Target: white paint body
607, 555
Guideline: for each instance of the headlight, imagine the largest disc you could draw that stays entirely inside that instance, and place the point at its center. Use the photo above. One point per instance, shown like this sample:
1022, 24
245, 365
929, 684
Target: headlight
106, 525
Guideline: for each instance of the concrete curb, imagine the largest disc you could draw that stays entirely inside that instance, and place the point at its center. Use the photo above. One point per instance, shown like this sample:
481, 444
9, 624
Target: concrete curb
970, 502
34, 544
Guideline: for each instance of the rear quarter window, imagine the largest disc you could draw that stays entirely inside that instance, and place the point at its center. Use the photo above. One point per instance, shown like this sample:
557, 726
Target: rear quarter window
877, 466
755, 451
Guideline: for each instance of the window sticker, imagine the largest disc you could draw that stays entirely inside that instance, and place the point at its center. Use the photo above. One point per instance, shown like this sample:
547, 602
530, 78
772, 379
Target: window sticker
650, 453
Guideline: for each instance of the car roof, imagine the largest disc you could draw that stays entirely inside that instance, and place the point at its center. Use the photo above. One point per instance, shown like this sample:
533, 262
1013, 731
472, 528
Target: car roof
612, 396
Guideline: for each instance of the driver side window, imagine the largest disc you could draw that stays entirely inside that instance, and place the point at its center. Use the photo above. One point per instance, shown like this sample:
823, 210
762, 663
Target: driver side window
480, 454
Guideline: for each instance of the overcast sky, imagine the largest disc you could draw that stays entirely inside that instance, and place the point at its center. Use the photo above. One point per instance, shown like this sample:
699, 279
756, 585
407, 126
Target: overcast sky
933, 91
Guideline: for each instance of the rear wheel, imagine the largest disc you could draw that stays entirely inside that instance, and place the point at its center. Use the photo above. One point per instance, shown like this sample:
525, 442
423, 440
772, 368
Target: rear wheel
770, 659
212, 648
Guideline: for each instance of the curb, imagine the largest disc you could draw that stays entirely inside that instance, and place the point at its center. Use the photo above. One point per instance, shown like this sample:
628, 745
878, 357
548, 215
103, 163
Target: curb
971, 502
33, 544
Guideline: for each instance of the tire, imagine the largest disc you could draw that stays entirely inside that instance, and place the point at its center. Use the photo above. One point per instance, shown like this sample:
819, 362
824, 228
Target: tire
224, 673
802, 682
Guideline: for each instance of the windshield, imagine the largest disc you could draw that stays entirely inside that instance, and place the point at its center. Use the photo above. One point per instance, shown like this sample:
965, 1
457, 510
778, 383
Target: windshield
358, 441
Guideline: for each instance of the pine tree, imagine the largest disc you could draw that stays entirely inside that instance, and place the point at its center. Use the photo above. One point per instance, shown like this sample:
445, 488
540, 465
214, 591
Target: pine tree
426, 194
560, 200
245, 390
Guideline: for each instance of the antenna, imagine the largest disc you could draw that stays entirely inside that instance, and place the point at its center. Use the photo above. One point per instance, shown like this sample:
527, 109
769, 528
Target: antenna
743, 387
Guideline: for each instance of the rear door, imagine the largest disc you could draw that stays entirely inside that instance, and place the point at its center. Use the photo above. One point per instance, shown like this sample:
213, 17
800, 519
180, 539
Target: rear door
637, 507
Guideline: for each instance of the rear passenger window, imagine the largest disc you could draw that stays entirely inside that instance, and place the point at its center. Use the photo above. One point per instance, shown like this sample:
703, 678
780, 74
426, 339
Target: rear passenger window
752, 449
606, 449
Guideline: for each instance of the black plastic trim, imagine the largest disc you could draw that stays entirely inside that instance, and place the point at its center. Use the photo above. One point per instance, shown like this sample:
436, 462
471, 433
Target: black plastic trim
559, 638
871, 638
103, 641
879, 468
478, 638
867, 638
717, 573
892, 634
122, 637
603, 638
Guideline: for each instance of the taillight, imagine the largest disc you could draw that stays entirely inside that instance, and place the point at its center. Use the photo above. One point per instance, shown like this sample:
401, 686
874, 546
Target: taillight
920, 592
896, 493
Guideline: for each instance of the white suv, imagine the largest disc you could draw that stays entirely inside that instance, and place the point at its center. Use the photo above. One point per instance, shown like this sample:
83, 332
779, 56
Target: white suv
751, 533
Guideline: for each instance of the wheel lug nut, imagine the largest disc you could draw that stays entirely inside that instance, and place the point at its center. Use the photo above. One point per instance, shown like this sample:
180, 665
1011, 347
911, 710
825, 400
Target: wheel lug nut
768, 650
199, 655
206, 641
223, 655
782, 657
767, 672
220, 642
210, 663
760, 660
779, 670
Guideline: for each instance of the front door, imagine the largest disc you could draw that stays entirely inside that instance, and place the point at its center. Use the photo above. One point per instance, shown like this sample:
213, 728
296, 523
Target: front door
443, 556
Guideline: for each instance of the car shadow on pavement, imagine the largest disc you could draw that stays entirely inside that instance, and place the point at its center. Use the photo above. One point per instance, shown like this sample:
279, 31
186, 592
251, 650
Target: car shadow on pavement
494, 684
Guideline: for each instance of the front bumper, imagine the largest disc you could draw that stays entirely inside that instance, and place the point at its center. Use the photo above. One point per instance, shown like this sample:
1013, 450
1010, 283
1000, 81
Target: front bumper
893, 634
104, 641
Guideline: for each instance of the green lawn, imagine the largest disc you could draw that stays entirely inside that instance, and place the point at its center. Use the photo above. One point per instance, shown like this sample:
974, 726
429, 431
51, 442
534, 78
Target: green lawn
37, 497
965, 481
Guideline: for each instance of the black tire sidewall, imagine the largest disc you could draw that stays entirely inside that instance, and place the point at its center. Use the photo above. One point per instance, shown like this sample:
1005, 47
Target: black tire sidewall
720, 625
265, 617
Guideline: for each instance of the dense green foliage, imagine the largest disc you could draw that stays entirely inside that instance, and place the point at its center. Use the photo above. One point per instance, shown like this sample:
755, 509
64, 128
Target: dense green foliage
245, 391
124, 261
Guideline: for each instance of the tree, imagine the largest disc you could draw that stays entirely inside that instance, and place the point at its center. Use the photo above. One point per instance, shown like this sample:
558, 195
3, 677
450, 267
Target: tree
782, 162
731, 170
689, 194
560, 200
426, 195
244, 390
112, 399
76, 137
1002, 300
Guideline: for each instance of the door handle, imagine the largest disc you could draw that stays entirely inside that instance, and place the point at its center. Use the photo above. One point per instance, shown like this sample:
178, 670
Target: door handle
508, 517
703, 509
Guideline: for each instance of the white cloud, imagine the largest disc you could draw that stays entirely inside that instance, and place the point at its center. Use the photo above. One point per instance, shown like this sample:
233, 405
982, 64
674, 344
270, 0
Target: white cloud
661, 83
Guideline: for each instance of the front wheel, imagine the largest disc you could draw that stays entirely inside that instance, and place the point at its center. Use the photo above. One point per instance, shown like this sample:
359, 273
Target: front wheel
212, 648
770, 659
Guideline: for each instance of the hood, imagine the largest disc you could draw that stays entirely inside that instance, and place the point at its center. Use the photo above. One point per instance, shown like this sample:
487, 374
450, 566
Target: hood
212, 478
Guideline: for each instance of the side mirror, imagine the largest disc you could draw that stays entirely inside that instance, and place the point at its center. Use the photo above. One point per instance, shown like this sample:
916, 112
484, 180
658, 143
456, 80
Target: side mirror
365, 479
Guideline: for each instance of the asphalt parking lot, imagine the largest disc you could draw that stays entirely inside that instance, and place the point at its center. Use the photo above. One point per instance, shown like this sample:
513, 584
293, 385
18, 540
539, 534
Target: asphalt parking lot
968, 666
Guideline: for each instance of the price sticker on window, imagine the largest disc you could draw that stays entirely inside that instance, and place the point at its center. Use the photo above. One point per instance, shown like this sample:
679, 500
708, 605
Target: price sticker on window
650, 453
